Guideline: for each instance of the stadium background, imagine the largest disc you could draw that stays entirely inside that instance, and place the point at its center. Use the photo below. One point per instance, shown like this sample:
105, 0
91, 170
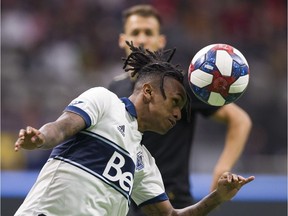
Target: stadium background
53, 50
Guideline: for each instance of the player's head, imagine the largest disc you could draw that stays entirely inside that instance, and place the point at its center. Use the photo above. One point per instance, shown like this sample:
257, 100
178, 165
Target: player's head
160, 85
142, 25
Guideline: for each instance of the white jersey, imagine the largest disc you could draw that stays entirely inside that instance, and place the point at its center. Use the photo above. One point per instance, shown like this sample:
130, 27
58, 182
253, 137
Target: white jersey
99, 169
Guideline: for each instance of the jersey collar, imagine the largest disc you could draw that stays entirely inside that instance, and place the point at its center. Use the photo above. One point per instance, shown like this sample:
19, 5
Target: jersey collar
129, 106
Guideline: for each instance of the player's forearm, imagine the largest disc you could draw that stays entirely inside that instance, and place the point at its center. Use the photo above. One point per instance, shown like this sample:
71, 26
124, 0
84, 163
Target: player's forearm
228, 186
203, 207
237, 134
230, 155
66, 126
236, 138
52, 136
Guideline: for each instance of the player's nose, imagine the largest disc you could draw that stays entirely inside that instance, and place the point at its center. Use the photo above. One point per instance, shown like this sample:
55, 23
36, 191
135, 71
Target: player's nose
142, 39
177, 113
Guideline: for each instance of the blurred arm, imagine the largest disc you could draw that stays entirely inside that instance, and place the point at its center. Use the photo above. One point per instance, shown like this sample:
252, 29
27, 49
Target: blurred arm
238, 129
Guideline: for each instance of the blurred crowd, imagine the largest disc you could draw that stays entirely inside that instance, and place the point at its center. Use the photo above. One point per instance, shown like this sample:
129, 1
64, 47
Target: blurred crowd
54, 50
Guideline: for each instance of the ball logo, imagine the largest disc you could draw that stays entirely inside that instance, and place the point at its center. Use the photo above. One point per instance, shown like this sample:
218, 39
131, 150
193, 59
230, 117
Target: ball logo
114, 173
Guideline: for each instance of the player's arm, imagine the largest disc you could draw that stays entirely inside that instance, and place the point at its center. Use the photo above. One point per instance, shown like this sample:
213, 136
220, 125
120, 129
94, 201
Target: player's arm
228, 186
238, 129
50, 134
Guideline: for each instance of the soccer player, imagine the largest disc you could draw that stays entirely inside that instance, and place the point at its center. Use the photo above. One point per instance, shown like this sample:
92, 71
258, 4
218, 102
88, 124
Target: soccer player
98, 162
142, 25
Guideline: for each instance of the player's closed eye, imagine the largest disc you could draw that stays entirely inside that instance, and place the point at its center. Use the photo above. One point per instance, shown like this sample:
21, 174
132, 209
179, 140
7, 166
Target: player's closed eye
176, 102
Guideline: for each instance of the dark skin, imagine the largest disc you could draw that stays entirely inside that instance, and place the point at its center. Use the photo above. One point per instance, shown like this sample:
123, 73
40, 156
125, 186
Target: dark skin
50, 134
228, 186
154, 113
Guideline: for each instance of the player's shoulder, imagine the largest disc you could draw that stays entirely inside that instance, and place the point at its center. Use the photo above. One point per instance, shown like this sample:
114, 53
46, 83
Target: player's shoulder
98, 89
99, 92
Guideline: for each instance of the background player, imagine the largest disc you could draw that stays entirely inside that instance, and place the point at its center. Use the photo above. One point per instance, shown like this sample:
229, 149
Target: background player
142, 25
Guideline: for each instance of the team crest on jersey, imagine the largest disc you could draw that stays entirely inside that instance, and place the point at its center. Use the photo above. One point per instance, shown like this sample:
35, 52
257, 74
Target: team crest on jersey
121, 129
139, 163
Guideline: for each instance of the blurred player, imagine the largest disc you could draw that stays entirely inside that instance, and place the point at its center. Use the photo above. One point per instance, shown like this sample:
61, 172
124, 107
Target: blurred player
142, 25
98, 162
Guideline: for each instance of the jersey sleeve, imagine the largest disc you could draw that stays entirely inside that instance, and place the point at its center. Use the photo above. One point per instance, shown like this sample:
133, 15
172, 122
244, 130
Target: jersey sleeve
90, 105
148, 185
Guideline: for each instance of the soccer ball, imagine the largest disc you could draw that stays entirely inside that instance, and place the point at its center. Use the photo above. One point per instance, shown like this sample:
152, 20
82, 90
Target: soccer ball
218, 74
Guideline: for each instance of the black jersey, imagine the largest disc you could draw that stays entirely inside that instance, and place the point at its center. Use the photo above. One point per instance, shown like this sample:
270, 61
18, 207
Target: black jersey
172, 150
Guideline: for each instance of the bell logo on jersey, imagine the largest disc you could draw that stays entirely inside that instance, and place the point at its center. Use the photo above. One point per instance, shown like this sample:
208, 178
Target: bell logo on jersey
113, 172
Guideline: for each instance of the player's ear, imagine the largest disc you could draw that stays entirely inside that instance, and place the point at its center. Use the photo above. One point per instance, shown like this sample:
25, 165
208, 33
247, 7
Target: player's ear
162, 41
121, 41
147, 92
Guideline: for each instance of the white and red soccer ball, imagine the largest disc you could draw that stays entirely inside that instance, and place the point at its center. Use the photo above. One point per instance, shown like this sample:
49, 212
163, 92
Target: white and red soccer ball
218, 74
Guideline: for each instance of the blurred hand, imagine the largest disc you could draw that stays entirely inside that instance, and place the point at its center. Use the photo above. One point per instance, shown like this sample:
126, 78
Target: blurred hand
29, 138
229, 184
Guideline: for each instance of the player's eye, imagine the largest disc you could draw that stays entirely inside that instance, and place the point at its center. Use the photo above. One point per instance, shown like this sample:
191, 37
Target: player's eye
148, 32
135, 33
179, 102
175, 102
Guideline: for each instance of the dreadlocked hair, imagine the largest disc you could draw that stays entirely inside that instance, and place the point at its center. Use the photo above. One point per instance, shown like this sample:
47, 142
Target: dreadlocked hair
143, 62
